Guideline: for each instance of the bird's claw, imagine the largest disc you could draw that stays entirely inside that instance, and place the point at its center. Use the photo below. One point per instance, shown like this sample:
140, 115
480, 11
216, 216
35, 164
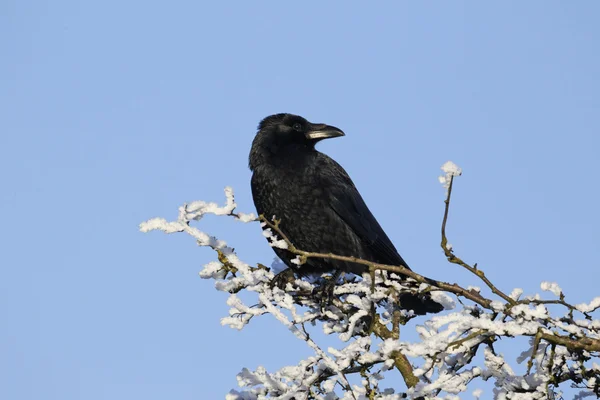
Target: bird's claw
326, 293
282, 279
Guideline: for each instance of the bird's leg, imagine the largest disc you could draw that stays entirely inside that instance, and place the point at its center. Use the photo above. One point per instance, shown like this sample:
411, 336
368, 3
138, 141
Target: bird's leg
371, 317
327, 289
283, 278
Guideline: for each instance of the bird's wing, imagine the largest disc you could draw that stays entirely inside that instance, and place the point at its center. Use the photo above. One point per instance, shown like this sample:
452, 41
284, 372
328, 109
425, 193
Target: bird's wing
349, 205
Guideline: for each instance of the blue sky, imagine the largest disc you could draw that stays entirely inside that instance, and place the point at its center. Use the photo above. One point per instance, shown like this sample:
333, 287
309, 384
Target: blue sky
116, 112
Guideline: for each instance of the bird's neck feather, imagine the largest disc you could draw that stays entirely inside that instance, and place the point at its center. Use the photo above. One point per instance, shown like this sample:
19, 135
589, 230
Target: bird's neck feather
295, 156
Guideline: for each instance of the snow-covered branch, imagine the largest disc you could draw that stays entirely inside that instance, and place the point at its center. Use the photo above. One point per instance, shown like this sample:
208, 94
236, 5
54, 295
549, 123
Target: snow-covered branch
454, 349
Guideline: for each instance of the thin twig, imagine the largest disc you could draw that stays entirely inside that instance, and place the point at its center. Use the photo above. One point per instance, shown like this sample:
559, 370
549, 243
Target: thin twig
584, 343
448, 287
456, 260
536, 345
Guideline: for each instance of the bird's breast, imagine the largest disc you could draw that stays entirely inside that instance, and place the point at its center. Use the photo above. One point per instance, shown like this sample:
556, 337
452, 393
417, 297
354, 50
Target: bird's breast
288, 195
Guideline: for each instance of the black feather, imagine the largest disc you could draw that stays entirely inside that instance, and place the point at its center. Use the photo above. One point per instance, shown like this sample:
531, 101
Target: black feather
318, 204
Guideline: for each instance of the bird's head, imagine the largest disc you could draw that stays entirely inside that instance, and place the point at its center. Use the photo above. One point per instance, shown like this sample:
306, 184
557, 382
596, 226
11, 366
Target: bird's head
284, 134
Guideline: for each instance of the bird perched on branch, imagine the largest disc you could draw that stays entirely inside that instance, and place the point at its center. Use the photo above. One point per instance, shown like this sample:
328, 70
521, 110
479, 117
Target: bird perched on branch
319, 208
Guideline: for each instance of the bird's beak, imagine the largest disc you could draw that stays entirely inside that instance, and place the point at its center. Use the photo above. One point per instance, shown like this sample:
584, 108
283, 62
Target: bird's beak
322, 131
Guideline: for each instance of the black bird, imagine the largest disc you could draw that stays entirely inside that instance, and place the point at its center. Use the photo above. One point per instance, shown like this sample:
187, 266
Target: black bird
317, 203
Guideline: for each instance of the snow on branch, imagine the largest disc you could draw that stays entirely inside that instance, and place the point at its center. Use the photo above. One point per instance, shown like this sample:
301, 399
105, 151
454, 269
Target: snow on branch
564, 346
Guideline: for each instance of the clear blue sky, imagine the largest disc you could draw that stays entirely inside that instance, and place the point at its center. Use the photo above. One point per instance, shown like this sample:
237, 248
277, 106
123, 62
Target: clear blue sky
115, 112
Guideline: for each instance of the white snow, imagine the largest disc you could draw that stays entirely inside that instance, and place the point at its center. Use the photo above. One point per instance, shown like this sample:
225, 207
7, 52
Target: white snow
450, 170
589, 307
551, 287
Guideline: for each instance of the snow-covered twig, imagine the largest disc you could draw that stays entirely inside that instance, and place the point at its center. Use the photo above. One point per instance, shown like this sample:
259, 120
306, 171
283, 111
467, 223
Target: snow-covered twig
441, 364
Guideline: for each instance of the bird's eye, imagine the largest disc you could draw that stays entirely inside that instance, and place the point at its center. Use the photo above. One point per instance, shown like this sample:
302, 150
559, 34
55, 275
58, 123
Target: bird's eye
297, 127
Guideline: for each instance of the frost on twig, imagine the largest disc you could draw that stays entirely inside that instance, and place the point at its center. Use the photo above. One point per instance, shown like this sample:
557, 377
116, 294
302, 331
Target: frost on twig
450, 171
454, 352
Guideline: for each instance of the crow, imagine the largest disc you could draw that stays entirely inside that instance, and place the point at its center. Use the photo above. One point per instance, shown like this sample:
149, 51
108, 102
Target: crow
319, 208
